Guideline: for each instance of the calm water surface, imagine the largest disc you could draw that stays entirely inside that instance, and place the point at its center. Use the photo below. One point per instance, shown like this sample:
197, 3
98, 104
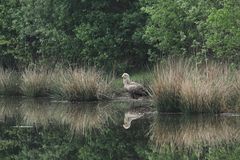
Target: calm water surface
43, 129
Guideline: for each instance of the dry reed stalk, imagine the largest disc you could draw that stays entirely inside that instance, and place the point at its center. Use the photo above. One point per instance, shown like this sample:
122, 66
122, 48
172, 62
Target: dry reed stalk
35, 82
79, 84
178, 86
9, 82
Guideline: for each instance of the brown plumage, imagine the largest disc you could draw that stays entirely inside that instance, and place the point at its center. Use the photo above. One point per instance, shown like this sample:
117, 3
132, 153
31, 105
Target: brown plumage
135, 90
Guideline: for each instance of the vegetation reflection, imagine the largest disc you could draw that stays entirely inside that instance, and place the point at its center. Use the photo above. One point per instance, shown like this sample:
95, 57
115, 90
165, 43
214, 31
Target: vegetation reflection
195, 131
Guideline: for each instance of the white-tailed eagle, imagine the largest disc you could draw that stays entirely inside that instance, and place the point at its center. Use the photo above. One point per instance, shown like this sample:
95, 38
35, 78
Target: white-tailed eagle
135, 90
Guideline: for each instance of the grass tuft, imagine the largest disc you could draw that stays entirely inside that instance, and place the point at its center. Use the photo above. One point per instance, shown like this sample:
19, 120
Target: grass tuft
180, 86
79, 85
35, 82
9, 83
237, 89
166, 86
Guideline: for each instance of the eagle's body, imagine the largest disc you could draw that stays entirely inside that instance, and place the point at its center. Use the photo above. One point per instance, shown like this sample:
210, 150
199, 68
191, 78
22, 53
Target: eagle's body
135, 90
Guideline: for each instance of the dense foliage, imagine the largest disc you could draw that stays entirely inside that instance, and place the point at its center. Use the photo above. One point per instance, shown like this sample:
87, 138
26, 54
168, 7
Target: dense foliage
102, 33
117, 34
200, 28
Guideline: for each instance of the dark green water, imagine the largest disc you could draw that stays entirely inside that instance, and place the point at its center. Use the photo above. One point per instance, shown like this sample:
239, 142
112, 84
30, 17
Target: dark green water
41, 129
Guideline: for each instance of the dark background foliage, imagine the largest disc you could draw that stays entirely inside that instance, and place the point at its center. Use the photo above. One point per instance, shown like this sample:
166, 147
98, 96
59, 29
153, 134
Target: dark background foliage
117, 34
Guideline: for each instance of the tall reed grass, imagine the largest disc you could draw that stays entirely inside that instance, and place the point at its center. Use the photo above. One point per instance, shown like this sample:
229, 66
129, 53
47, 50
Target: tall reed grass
9, 82
167, 84
35, 82
180, 86
79, 85
69, 84
237, 89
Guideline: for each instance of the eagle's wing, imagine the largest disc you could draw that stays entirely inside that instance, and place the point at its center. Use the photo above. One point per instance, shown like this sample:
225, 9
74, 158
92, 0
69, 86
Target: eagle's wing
136, 88
133, 87
134, 83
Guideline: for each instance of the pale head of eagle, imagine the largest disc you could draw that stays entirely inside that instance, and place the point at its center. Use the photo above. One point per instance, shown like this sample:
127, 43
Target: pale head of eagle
126, 78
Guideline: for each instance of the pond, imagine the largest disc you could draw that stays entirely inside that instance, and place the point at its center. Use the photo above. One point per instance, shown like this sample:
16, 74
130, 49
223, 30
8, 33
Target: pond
133, 130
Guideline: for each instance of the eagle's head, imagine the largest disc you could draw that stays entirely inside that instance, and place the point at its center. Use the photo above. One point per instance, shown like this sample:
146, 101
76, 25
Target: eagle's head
125, 76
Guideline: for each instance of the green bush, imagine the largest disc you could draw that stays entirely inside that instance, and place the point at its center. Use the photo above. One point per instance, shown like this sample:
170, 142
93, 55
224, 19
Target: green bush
116, 35
102, 33
223, 33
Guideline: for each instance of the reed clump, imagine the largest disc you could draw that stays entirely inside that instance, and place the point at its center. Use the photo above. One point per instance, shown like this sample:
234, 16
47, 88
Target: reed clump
79, 84
180, 86
237, 89
167, 83
9, 82
35, 82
